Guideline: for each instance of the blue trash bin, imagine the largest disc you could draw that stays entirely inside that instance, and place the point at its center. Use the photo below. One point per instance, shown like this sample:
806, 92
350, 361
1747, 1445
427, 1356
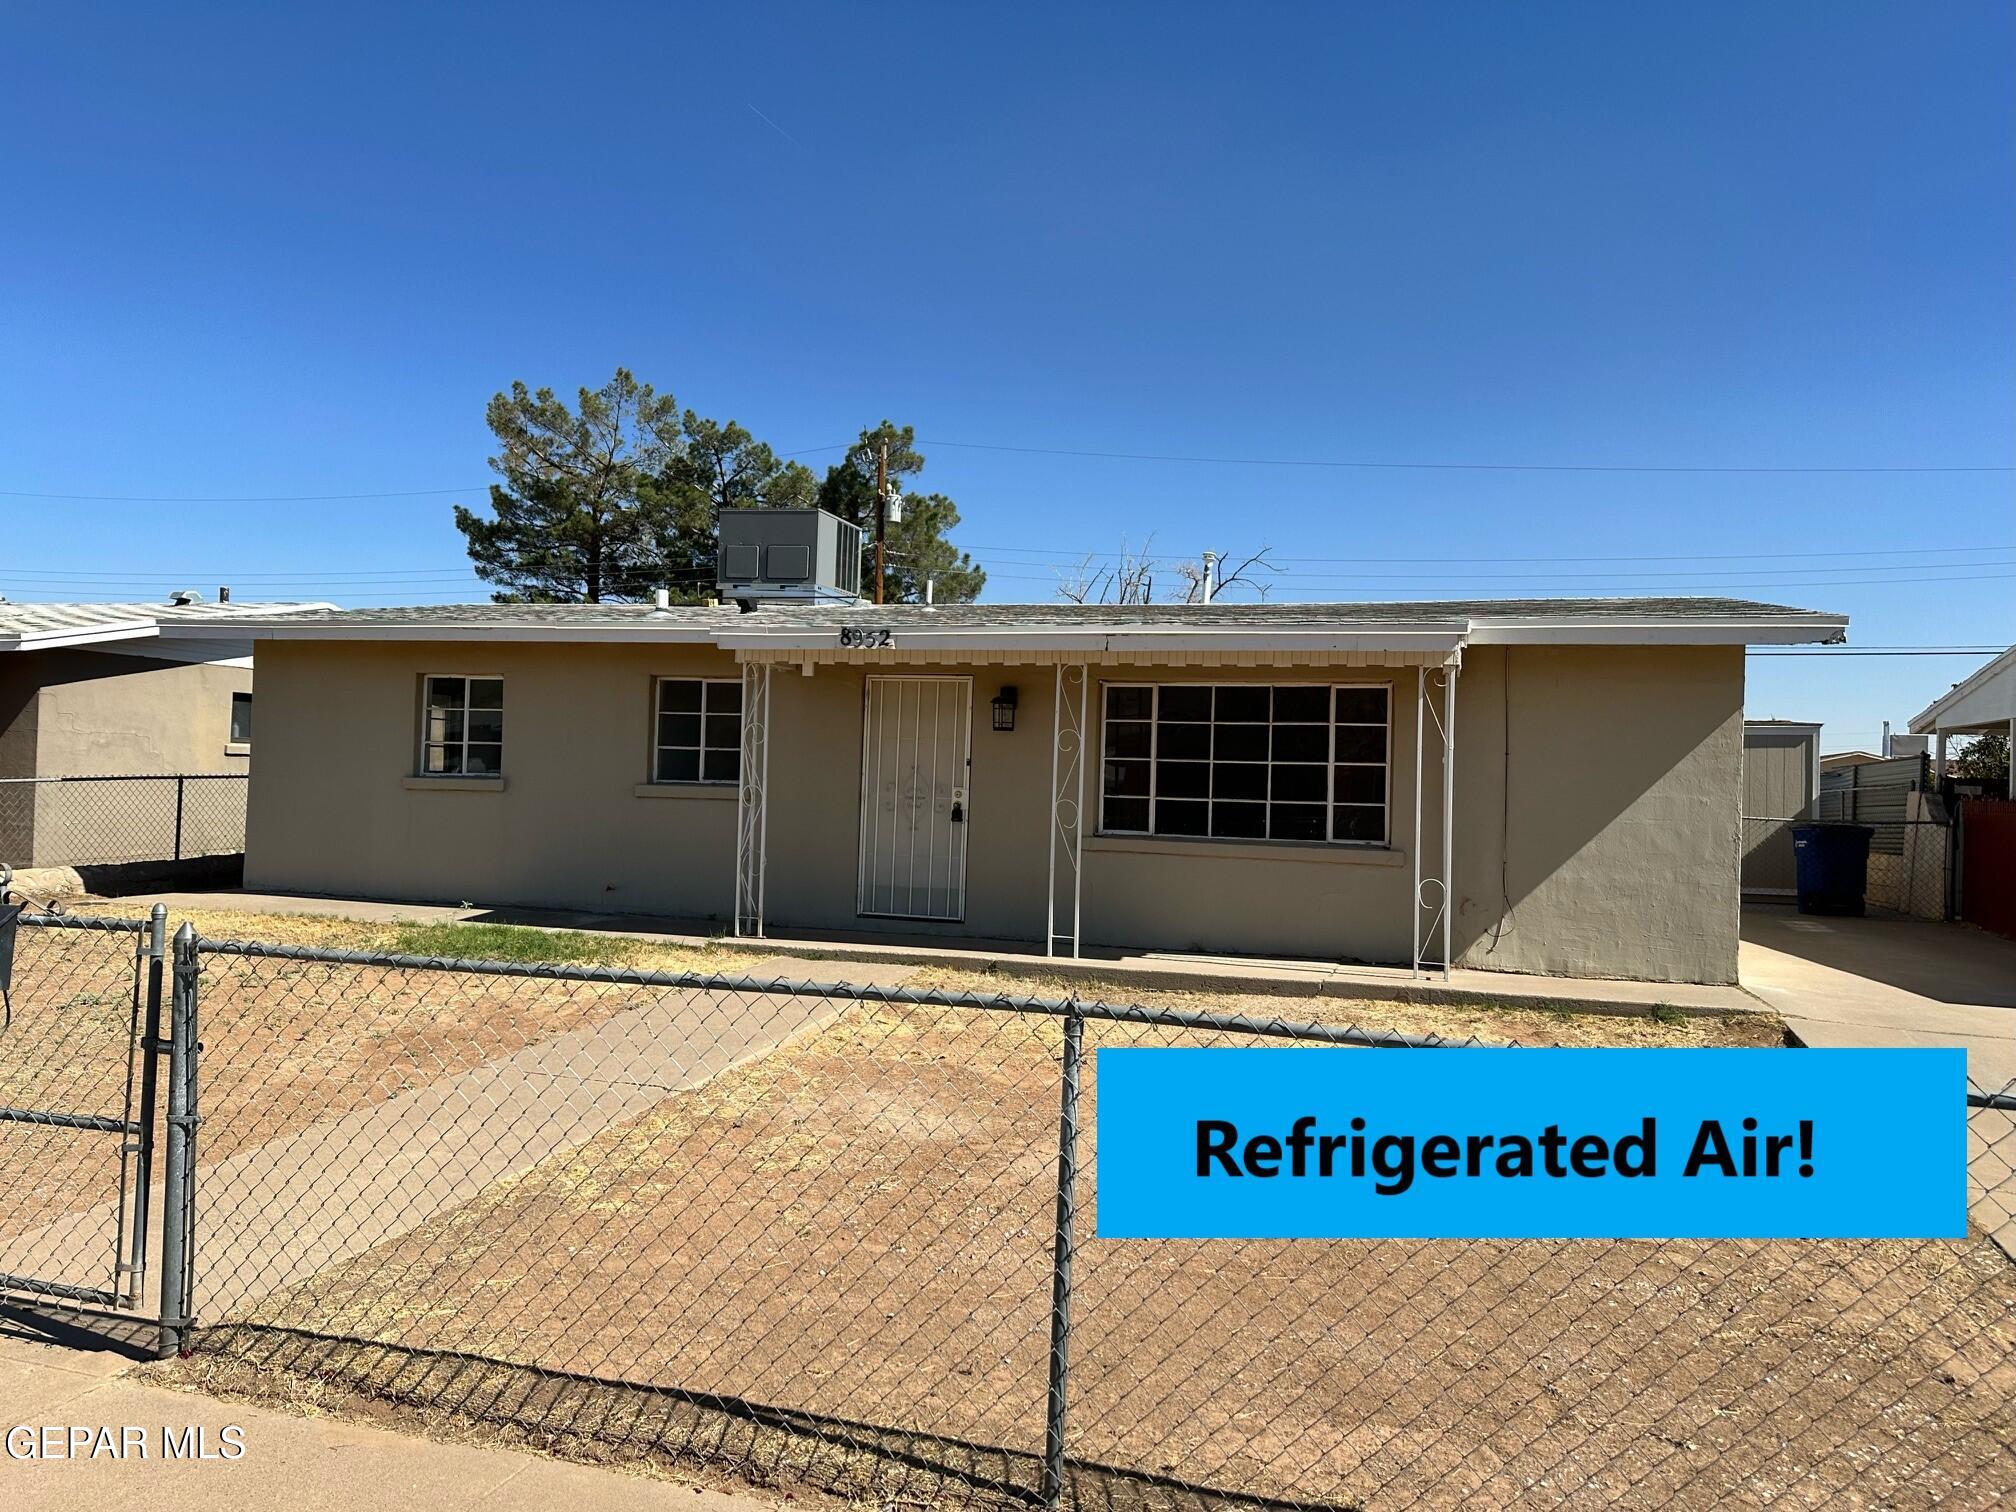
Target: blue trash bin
1832, 861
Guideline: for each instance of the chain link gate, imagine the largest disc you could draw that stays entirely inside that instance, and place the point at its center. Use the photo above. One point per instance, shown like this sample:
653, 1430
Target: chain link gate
81, 1059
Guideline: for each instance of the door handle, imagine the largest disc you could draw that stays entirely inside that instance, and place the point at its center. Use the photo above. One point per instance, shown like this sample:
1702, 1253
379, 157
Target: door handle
958, 814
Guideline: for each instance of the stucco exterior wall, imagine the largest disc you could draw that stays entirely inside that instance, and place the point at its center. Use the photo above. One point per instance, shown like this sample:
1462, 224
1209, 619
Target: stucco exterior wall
1614, 775
333, 811
80, 712
1617, 853
101, 712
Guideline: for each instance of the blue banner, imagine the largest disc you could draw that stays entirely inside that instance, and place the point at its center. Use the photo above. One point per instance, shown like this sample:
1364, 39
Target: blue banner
1337, 1143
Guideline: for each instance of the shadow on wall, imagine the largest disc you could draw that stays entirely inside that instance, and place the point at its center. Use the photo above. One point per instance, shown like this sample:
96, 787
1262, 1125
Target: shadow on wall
1598, 792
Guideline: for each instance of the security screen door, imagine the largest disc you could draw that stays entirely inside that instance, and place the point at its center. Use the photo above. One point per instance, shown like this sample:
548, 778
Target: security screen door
916, 752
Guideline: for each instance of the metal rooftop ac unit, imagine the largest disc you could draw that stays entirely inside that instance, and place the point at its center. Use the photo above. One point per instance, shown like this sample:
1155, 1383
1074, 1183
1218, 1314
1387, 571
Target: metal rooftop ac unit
802, 555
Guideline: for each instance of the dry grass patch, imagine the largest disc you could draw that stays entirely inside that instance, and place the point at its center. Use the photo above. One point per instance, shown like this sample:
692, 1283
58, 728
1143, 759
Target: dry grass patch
1493, 1023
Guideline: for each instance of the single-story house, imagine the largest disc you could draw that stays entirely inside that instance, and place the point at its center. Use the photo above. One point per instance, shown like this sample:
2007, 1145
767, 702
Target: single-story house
1984, 704
1537, 785
95, 690
1840, 761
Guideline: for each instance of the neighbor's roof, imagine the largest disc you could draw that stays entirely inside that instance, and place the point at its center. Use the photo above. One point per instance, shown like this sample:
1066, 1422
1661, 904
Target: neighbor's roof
1985, 701
1362, 626
32, 627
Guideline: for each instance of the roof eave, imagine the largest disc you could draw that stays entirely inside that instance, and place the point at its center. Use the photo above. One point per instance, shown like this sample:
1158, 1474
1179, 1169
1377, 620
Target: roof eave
1926, 720
1784, 631
79, 635
643, 630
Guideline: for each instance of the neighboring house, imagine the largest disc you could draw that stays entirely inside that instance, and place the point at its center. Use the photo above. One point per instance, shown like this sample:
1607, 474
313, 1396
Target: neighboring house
115, 689
1781, 779
1840, 761
1271, 781
1985, 704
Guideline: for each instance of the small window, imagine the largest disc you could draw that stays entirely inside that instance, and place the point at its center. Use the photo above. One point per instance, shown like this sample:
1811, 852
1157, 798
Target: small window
699, 731
462, 727
241, 719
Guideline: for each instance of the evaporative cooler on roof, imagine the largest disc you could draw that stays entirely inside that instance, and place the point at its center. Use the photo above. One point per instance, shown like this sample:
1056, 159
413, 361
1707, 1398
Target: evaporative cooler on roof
806, 555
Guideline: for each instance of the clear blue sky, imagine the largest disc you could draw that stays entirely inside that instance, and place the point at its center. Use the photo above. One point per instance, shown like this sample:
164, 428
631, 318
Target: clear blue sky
275, 250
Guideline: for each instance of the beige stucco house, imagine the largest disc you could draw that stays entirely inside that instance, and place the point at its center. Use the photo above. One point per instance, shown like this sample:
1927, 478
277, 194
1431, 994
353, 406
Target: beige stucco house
1543, 785
100, 691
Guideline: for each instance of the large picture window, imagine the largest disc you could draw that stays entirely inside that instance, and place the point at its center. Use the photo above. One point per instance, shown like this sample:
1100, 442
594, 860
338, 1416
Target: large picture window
699, 731
462, 727
1246, 761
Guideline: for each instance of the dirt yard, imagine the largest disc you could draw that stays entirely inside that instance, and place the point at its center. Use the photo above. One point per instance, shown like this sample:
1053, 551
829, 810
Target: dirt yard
840, 1236
855, 1228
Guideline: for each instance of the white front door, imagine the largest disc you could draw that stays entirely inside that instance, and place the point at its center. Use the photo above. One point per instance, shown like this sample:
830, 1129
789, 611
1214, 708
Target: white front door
916, 753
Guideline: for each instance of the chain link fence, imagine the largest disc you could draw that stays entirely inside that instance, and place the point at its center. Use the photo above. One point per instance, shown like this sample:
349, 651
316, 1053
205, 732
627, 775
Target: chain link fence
72, 995
104, 821
846, 1234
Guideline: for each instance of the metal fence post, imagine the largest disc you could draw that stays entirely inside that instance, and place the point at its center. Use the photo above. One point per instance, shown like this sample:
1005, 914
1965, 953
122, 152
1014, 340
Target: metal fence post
1060, 1272
152, 1047
177, 1198
178, 817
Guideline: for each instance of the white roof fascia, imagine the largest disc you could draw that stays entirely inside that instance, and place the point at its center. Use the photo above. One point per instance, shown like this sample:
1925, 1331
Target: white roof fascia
79, 635
176, 647
1670, 632
643, 631
1440, 637
1933, 717
1421, 635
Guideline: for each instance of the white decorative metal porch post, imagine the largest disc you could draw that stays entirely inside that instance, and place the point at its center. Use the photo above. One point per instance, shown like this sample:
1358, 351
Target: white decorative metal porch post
1069, 720
752, 807
1440, 724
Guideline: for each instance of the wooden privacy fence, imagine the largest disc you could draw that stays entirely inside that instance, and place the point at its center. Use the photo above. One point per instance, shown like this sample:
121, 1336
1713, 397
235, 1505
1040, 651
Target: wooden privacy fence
1988, 864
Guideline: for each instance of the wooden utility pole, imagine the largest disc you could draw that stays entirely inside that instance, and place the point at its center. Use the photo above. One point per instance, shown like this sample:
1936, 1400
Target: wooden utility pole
881, 511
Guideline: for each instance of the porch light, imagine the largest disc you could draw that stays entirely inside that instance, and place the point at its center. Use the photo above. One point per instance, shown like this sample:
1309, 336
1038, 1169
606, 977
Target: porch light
1004, 709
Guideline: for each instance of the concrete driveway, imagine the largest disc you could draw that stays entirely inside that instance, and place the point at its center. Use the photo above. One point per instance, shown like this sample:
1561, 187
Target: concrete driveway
1903, 982
1887, 982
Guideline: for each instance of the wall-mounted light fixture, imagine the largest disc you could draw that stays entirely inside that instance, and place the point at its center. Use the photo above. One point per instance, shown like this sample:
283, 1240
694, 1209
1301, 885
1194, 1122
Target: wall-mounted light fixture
1004, 709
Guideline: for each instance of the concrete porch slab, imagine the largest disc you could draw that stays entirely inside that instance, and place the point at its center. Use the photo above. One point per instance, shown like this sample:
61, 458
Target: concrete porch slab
1114, 971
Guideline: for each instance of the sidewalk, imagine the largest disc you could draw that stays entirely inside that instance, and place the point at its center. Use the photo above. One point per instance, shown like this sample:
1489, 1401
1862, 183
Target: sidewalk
304, 1464
1143, 968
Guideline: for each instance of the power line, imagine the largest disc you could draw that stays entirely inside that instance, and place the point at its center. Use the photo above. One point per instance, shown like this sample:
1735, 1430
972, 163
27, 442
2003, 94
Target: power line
1737, 556
407, 493
136, 574
1569, 467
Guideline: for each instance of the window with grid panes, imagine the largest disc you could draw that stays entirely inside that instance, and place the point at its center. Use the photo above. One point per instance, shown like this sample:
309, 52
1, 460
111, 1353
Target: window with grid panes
699, 730
1247, 761
462, 727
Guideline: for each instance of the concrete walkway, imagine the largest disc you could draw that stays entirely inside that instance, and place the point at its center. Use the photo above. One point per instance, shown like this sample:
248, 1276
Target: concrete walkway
304, 1464
380, 1170
1905, 983
1143, 968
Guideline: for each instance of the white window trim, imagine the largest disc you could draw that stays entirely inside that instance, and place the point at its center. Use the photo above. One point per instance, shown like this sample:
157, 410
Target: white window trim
652, 780
420, 771
1385, 842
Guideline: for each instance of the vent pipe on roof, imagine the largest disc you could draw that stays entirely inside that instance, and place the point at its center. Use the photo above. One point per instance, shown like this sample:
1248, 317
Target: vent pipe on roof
1210, 575
223, 595
181, 597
